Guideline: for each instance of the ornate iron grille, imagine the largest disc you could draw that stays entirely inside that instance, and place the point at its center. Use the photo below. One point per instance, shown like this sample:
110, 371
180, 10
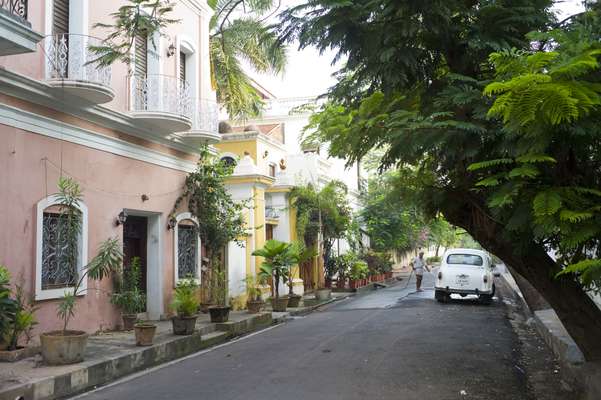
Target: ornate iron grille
57, 270
187, 251
68, 56
15, 7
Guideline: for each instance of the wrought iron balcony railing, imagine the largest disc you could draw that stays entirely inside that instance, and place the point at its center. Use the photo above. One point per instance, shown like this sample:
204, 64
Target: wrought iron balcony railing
206, 116
160, 93
68, 57
17, 8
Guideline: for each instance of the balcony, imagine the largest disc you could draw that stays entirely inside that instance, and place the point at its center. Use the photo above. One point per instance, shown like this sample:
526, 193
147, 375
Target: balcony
70, 67
161, 102
16, 35
205, 124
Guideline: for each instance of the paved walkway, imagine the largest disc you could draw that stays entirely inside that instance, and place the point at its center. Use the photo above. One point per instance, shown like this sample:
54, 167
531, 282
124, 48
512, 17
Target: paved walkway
390, 344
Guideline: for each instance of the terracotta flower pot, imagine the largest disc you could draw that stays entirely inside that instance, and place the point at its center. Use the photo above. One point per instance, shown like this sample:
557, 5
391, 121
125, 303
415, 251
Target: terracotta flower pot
184, 325
219, 313
280, 304
353, 283
59, 348
144, 334
323, 294
294, 300
129, 320
254, 306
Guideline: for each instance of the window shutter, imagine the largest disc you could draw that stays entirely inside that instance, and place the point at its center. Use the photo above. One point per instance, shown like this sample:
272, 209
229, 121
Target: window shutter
141, 54
182, 66
60, 17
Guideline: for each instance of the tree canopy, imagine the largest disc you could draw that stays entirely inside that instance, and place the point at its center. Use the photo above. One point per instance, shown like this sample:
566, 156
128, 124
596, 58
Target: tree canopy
414, 84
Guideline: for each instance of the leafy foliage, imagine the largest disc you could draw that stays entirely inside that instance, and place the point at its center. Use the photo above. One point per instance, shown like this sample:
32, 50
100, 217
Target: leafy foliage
278, 257
138, 17
24, 318
325, 211
185, 298
128, 296
8, 306
239, 34
108, 259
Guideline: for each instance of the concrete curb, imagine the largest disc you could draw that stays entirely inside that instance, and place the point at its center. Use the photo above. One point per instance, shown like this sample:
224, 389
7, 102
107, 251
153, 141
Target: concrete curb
586, 376
88, 375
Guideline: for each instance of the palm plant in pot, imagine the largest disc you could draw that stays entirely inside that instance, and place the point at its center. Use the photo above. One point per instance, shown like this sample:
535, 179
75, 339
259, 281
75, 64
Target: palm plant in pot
128, 296
68, 346
253, 284
185, 303
277, 259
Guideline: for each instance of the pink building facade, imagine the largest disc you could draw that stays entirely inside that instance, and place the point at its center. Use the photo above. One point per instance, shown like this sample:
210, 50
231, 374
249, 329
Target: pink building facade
128, 134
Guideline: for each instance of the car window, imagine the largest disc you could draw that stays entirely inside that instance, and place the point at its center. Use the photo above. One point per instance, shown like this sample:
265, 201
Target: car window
465, 259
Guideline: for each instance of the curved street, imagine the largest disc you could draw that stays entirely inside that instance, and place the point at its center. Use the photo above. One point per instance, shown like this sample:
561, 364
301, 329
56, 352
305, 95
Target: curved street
393, 343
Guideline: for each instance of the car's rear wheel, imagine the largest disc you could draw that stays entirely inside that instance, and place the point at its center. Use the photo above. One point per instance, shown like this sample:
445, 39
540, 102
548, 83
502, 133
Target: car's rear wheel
441, 296
485, 299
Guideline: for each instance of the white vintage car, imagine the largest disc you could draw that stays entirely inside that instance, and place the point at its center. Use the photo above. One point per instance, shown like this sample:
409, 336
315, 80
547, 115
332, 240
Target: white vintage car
466, 271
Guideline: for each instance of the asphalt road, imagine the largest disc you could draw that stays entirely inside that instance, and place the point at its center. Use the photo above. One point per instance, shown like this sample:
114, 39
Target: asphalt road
392, 344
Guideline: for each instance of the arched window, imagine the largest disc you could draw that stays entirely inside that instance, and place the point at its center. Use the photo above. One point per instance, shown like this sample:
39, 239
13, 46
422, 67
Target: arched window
55, 273
229, 161
186, 244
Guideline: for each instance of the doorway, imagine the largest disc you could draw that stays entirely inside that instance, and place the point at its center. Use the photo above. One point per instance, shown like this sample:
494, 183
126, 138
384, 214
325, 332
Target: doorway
142, 238
135, 238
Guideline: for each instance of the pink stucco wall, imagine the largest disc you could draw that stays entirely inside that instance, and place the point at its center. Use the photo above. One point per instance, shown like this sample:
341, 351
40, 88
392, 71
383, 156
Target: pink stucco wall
33, 64
110, 183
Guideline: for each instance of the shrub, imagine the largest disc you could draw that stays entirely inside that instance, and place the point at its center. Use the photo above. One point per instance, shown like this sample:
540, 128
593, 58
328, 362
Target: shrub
185, 300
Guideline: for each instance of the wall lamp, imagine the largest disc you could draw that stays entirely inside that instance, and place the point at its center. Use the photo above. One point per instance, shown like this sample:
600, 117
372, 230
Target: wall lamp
121, 218
171, 223
171, 50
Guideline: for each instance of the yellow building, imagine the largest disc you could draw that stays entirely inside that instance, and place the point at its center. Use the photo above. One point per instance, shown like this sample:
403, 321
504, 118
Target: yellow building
261, 179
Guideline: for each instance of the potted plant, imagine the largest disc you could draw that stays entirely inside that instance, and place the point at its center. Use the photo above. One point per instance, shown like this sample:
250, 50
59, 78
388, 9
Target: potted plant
8, 307
144, 332
219, 311
255, 302
278, 256
22, 322
185, 304
297, 255
128, 296
68, 346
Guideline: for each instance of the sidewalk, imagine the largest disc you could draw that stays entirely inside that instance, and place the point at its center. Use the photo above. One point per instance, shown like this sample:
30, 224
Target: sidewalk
113, 355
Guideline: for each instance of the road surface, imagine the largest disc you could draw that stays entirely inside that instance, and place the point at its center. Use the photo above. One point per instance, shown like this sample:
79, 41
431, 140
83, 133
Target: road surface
391, 344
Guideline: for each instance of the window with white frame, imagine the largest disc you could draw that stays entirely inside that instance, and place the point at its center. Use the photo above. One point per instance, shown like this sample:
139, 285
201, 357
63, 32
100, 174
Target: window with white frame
186, 247
55, 270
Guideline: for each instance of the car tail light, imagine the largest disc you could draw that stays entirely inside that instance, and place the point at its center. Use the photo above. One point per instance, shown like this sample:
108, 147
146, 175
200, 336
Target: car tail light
485, 278
439, 275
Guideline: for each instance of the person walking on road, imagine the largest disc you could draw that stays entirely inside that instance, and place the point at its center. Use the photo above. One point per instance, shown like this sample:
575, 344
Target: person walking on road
418, 266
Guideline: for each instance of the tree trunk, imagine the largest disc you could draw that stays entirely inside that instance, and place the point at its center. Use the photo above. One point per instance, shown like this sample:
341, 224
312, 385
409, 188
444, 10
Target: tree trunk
532, 297
576, 310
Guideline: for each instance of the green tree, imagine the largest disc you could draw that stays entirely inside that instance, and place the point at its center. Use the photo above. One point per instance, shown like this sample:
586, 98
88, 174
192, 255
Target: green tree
324, 212
278, 258
392, 221
413, 84
239, 32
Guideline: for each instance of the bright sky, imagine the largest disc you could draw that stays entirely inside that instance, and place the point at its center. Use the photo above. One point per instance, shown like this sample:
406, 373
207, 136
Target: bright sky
309, 74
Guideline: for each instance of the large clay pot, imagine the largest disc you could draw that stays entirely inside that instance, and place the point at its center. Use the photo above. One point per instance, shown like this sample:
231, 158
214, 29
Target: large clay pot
59, 348
353, 283
184, 325
129, 320
294, 300
323, 294
144, 334
219, 313
280, 304
254, 306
